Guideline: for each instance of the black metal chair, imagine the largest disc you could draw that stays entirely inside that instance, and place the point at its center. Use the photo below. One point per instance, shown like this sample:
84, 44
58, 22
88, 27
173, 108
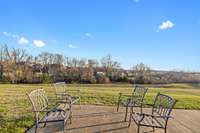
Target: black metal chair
159, 116
62, 92
133, 100
44, 114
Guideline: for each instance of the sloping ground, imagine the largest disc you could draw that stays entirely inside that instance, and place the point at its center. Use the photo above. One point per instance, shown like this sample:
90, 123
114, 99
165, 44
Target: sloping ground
105, 119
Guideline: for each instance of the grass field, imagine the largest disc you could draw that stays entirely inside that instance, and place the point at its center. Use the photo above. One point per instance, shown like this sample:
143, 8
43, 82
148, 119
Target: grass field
15, 109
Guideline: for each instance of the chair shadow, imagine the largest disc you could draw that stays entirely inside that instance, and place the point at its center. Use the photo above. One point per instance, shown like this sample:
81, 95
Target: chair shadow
113, 129
96, 114
95, 125
99, 114
56, 127
148, 131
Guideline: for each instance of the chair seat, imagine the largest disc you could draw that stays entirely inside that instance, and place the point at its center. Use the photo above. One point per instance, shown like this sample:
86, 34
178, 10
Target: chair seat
57, 116
148, 120
130, 103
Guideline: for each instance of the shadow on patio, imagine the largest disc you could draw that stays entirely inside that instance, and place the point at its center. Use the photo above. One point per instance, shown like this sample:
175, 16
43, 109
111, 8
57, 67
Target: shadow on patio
104, 119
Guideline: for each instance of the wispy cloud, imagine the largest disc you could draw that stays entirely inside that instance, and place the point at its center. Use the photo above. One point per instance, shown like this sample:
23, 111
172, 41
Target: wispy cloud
137, 1
166, 25
10, 35
23, 40
6, 33
89, 35
39, 43
72, 46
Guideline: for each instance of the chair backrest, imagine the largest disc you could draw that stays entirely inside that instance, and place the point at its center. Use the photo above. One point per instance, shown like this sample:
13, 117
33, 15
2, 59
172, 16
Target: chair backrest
60, 87
38, 100
139, 93
163, 105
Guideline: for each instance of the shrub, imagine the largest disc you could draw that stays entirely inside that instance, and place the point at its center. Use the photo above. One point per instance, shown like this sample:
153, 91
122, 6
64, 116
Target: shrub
5, 79
101, 78
47, 78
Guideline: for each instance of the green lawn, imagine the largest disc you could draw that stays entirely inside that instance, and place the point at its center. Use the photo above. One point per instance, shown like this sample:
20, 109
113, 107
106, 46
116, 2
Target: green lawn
15, 109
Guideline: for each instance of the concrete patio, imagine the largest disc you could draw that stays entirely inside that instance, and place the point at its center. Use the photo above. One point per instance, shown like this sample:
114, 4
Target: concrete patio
105, 119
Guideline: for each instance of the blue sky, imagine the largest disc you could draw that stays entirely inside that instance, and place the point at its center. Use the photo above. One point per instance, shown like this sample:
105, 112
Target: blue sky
165, 34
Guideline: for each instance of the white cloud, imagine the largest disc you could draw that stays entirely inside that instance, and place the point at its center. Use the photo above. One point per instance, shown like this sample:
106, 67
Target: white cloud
72, 46
39, 43
23, 40
166, 25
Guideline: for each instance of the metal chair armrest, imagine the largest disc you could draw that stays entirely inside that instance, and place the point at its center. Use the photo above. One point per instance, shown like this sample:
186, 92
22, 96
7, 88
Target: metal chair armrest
155, 116
62, 102
63, 94
50, 110
41, 110
148, 104
125, 95
77, 90
122, 95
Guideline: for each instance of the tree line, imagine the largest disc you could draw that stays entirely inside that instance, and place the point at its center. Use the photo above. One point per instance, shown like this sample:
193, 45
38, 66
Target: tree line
18, 66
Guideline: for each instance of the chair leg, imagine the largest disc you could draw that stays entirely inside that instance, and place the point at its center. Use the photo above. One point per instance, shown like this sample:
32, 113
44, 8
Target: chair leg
45, 123
64, 126
141, 109
126, 113
130, 120
165, 130
70, 119
153, 129
36, 126
79, 103
118, 106
138, 131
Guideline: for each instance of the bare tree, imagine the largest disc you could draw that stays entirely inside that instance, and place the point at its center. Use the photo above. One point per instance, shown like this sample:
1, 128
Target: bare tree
17, 64
58, 59
142, 73
82, 63
1, 61
109, 65
74, 62
45, 58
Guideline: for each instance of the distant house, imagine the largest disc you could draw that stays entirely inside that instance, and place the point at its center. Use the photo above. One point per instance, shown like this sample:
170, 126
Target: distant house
130, 73
54, 69
37, 68
101, 73
99, 70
